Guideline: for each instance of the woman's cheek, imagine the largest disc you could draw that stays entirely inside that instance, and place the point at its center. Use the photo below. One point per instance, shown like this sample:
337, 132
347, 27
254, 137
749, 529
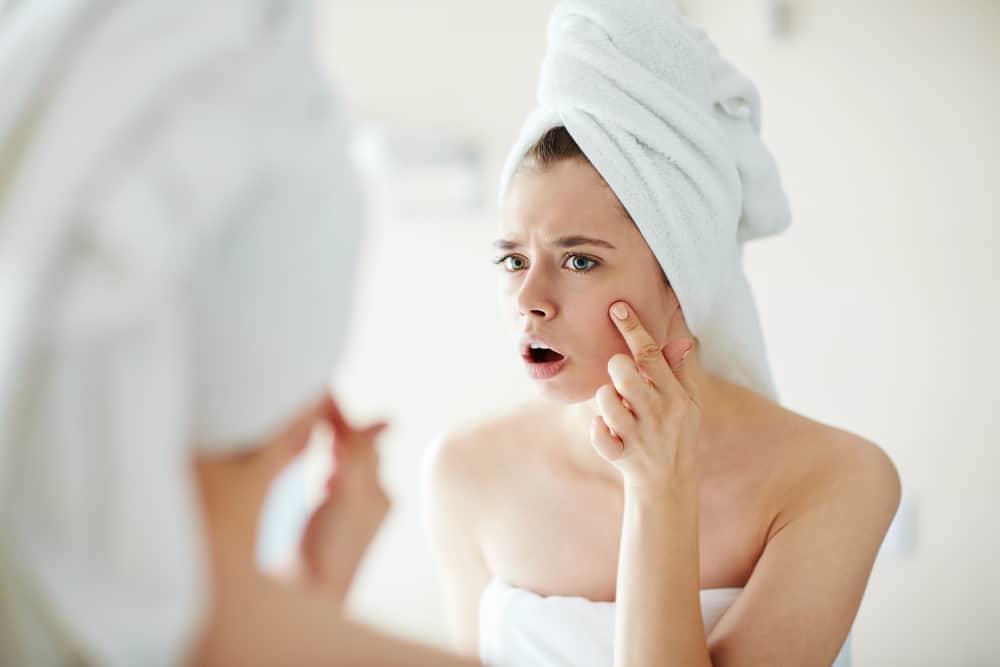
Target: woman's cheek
604, 346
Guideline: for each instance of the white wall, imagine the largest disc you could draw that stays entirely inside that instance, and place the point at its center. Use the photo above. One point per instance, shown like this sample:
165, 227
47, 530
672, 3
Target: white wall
881, 304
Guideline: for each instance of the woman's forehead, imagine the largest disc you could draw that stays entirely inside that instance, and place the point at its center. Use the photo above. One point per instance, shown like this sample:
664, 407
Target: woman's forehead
568, 198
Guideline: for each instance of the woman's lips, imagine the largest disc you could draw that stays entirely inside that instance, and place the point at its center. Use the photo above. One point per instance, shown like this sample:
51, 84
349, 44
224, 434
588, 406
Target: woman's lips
544, 363
543, 370
541, 358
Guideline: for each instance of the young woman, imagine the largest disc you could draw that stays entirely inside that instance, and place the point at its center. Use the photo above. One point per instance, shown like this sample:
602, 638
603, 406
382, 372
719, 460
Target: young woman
656, 505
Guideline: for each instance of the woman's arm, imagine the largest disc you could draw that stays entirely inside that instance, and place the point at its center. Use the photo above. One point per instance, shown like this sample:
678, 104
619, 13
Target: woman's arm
805, 590
658, 619
256, 620
798, 604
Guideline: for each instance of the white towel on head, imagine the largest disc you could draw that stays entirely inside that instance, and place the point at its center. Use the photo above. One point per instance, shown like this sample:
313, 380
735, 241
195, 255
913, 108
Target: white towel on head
178, 232
674, 130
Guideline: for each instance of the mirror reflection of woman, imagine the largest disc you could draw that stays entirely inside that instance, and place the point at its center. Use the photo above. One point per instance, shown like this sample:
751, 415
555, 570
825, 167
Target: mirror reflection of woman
656, 505
178, 230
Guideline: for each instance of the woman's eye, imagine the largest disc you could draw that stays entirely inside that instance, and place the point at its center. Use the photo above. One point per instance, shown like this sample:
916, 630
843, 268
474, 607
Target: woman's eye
581, 263
512, 262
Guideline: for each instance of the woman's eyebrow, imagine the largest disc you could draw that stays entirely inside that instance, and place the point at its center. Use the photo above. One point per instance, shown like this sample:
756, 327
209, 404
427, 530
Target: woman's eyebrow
563, 242
573, 241
504, 244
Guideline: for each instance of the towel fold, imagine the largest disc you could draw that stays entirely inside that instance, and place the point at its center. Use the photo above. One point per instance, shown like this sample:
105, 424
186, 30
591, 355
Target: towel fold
674, 130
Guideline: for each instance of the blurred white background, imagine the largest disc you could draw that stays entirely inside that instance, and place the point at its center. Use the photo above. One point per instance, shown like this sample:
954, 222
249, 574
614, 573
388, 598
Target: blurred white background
881, 304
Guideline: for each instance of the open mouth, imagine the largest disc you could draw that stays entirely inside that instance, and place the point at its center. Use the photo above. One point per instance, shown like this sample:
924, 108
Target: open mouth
537, 354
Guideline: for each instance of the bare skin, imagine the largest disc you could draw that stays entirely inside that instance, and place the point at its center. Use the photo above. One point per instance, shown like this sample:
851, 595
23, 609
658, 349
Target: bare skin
257, 618
752, 496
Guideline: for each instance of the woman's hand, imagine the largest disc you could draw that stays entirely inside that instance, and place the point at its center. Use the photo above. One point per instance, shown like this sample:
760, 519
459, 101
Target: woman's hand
648, 428
649, 415
343, 525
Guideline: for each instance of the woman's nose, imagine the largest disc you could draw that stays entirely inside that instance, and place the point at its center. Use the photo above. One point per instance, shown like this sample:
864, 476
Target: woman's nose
534, 298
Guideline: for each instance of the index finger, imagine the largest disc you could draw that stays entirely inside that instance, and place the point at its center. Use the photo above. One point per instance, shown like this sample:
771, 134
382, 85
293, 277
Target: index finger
330, 410
345, 433
645, 350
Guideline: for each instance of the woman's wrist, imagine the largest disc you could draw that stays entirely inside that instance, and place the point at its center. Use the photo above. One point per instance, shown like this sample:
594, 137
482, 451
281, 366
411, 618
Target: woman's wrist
675, 485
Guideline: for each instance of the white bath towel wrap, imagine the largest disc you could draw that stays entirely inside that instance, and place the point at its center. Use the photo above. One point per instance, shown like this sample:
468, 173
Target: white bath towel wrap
674, 130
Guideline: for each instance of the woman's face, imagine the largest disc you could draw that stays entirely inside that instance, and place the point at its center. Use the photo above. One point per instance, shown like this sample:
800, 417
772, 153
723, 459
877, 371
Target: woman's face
567, 251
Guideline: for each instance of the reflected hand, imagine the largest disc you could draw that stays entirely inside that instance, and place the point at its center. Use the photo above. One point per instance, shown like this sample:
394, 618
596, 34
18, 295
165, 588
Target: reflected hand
341, 528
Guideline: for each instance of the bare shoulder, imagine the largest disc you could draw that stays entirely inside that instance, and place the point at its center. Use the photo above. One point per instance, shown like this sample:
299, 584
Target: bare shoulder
838, 471
829, 497
461, 468
468, 456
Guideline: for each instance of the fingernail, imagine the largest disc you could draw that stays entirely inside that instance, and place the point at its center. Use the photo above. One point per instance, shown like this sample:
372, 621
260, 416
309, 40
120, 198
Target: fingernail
619, 310
684, 356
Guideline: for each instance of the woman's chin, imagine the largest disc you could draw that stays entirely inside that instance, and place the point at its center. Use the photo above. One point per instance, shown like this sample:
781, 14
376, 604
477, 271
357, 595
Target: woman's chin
565, 390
